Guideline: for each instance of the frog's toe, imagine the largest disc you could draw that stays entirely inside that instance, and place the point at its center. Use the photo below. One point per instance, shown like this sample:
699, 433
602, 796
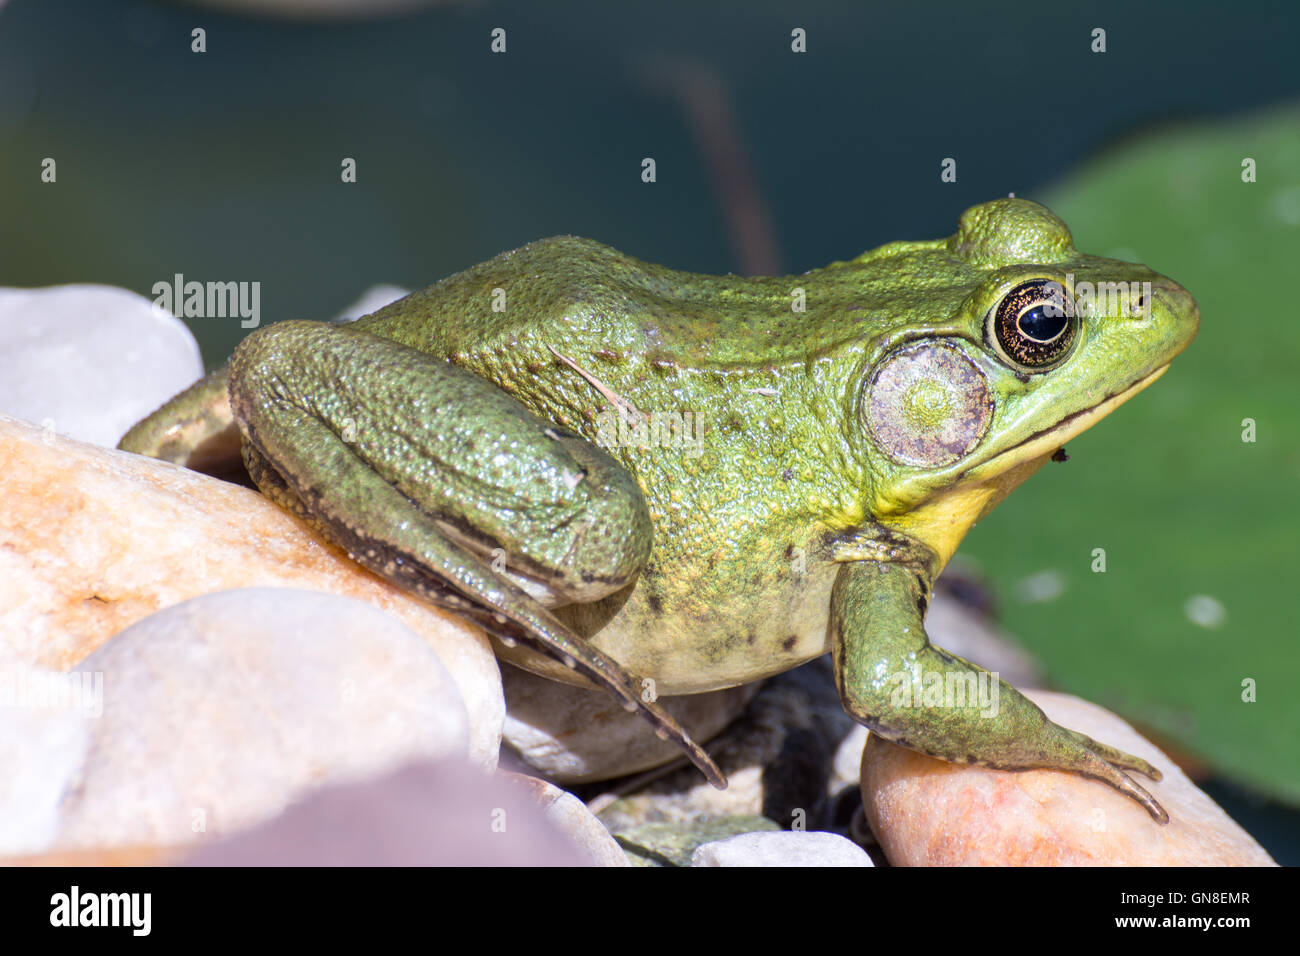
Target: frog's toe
1125, 785
1119, 758
1107, 764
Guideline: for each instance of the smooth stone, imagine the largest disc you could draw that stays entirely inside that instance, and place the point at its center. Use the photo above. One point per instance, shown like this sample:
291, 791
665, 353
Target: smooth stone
674, 843
442, 813
93, 540
778, 757
926, 812
42, 746
846, 765
786, 848
571, 816
220, 711
573, 735
89, 361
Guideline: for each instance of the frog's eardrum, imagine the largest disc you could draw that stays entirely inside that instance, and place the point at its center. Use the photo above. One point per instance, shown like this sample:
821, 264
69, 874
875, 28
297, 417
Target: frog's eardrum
929, 405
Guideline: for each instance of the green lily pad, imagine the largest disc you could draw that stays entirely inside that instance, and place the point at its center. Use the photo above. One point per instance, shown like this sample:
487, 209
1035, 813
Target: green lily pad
1199, 527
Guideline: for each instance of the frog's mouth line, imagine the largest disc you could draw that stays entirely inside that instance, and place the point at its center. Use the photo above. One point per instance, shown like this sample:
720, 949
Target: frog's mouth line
1045, 442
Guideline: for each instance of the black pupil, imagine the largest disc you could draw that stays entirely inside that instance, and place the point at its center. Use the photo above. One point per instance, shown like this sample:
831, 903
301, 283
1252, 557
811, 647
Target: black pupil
1039, 326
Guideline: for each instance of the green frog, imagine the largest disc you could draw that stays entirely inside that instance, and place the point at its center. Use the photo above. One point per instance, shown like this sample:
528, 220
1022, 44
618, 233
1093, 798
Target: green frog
663, 483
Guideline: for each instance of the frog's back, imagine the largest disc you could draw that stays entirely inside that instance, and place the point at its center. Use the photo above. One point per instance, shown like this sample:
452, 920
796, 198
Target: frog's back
498, 302
572, 293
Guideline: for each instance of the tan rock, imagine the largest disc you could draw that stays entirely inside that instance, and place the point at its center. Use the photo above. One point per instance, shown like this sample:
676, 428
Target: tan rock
926, 812
114, 856
93, 540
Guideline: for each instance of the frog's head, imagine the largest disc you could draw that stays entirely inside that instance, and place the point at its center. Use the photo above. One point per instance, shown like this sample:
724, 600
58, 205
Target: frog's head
1031, 344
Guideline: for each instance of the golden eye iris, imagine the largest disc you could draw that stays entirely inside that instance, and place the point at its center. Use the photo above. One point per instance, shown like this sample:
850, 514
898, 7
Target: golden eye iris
1033, 327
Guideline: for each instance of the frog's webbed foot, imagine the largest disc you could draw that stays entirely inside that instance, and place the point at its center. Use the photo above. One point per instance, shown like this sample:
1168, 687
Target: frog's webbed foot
1106, 763
1119, 758
1054, 747
428, 475
885, 667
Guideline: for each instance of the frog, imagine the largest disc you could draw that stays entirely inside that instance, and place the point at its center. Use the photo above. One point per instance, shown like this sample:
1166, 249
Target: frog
662, 483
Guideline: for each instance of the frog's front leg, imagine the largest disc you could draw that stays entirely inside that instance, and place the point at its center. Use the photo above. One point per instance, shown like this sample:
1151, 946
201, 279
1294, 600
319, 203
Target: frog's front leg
887, 670
422, 471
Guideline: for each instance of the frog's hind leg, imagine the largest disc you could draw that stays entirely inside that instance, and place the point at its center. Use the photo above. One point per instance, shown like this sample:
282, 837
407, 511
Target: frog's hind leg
419, 469
193, 428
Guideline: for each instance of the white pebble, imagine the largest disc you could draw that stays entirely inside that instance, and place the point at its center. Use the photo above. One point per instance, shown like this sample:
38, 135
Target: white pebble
89, 361
781, 848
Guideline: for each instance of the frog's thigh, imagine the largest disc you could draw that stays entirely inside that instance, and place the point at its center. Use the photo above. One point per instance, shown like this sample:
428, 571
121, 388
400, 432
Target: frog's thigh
418, 468
553, 512
893, 680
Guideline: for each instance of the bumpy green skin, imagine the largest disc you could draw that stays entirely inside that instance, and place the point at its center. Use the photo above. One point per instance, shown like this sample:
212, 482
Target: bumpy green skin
829, 487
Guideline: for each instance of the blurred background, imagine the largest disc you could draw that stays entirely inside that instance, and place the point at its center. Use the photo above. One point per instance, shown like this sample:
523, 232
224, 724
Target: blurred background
225, 165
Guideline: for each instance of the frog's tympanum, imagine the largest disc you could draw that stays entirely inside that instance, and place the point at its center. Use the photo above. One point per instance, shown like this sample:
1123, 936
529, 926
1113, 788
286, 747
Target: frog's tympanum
663, 483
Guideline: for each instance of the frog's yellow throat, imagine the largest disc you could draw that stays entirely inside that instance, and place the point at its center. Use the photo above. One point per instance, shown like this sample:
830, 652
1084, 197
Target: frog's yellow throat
942, 521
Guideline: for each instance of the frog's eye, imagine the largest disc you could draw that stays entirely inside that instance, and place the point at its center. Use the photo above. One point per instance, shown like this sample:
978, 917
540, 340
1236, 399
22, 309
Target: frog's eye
1033, 326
